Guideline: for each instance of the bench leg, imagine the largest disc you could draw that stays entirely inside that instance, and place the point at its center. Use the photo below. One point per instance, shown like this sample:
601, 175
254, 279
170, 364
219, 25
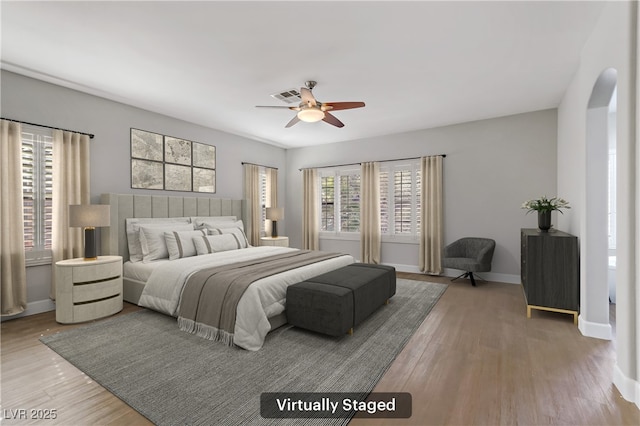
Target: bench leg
350, 332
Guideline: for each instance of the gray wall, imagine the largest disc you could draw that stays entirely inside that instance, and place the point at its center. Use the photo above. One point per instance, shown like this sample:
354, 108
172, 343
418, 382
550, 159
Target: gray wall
24, 98
491, 167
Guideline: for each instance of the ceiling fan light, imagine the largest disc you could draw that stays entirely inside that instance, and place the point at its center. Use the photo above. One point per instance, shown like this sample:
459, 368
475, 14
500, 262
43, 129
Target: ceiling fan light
310, 115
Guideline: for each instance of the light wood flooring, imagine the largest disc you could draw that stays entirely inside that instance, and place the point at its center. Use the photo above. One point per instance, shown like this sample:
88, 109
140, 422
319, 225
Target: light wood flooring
476, 360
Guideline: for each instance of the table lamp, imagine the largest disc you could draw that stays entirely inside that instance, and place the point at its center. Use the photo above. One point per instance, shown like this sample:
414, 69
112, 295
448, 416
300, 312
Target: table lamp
89, 217
274, 214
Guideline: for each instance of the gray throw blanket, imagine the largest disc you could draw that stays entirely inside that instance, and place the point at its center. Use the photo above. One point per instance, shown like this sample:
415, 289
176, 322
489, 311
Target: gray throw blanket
210, 296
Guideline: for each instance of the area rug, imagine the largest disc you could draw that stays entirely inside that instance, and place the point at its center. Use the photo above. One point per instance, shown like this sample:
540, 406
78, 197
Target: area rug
172, 377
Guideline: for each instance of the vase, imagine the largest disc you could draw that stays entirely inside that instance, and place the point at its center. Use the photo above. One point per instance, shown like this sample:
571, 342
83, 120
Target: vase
544, 220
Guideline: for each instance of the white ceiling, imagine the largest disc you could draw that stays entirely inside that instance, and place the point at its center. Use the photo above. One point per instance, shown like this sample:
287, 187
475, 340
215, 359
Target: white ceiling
415, 64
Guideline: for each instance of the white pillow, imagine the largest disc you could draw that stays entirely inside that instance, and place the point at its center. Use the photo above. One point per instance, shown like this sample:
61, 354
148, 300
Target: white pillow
217, 221
237, 232
180, 244
133, 232
152, 240
216, 243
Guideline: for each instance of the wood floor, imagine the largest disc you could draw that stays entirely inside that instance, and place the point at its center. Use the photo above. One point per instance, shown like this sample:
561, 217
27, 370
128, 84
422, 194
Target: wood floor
476, 360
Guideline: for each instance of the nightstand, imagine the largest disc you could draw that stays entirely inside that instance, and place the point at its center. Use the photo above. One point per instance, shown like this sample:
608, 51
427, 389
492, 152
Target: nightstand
277, 241
88, 289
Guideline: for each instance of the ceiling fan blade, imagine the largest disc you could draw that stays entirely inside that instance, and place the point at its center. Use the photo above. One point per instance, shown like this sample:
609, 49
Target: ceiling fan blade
307, 96
335, 106
293, 108
331, 119
293, 121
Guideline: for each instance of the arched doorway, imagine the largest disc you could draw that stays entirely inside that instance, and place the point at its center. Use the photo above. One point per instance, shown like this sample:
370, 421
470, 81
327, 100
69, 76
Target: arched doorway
600, 198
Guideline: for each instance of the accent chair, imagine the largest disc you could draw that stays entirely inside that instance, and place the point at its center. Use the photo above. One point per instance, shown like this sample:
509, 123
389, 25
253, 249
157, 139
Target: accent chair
469, 254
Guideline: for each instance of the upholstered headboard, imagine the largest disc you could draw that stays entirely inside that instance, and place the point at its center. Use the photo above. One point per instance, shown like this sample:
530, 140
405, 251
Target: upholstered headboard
123, 206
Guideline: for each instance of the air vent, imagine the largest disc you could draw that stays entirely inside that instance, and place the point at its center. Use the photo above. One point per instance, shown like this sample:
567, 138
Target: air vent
291, 96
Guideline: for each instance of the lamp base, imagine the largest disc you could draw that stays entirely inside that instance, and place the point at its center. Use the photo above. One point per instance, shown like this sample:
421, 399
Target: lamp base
274, 229
90, 252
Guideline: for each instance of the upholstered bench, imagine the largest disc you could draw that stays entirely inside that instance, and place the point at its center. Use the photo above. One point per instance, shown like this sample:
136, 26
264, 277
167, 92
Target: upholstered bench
335, 302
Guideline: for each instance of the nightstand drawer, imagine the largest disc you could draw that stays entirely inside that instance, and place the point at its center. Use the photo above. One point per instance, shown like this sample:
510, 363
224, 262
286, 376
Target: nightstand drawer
90, 273
103, 308
275, 241
96, 291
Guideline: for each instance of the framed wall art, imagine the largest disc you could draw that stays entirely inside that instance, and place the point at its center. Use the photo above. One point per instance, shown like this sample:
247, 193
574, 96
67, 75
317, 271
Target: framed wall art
171, 164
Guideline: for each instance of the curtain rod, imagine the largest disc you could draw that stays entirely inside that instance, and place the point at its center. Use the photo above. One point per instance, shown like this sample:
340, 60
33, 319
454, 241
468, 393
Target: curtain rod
259, 165
48, 127
379, 161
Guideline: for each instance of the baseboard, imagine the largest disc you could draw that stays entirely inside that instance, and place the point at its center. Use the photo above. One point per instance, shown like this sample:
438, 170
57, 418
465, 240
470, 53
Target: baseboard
33, 308
594, 329
405, 268
489, 276
629, 388
501, 278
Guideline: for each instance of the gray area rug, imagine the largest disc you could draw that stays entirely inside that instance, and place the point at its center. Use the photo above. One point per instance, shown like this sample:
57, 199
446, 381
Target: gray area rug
175, 378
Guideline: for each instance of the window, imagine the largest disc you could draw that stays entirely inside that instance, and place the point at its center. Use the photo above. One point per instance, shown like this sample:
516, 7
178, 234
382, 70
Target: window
340, 201
37, 190
263, 200
400, 184
327, 202
350, 203
400, 198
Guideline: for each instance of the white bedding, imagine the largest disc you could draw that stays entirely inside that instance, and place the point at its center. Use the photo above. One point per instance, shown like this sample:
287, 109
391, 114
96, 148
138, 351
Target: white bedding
263, 299
141, 271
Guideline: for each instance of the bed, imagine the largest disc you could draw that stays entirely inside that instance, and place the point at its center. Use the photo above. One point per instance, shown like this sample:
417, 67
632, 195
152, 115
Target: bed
158, 283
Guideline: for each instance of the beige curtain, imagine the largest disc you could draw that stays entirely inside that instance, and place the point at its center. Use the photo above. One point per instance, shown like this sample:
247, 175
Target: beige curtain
252, 195
431, 215
370, 234
272, 194
13, 280
310, 228
71, 185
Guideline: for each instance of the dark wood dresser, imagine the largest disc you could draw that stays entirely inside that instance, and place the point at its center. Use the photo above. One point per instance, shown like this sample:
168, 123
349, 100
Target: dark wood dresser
550, 271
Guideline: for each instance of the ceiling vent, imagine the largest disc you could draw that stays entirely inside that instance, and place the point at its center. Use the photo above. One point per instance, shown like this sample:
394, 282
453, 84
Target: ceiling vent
291, 96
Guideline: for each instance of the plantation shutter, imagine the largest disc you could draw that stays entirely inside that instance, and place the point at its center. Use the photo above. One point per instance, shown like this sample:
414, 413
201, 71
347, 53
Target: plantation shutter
350, 203
37, 190
384, 202
402, 201
263, 200
327, 194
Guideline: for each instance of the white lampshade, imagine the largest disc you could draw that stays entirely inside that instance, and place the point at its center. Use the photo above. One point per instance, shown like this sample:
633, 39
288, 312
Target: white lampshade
311, 114
275, 213
89, 215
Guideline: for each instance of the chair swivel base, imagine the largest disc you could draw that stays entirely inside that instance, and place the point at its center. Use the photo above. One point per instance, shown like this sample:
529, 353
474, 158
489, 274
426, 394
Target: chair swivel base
468, 275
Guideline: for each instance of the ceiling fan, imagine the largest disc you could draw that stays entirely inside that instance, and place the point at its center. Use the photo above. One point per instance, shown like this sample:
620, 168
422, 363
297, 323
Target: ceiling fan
310, 110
